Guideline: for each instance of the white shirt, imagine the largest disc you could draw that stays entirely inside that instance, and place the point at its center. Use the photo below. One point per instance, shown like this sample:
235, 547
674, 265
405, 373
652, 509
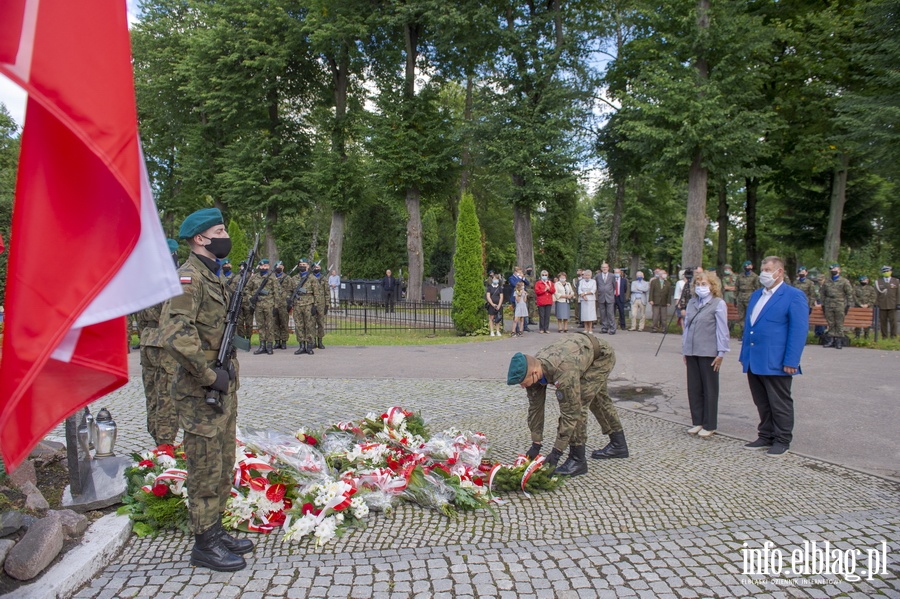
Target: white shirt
766, 295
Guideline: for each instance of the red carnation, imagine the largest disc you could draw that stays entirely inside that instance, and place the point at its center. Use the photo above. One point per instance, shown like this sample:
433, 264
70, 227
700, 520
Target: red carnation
307, 508
479, 482
310, 440
160, 489
146, 464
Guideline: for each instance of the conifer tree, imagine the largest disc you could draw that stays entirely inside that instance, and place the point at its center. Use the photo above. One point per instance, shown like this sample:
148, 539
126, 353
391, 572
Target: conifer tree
468, 293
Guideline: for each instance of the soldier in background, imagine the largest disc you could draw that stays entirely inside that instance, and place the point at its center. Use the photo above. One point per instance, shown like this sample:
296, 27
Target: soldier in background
728, 284
887, 289
531, 298
303, 305
260, 294
280, 312
321, 303
162, 422
744, 286
578, 366
191, 328
837, 297
806, 285
865, 296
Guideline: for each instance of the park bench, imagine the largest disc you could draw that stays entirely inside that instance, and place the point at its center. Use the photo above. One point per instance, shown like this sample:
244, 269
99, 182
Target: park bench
856, 318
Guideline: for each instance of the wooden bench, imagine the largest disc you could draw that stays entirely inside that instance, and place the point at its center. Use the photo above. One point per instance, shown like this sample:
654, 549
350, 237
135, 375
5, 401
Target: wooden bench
856, 318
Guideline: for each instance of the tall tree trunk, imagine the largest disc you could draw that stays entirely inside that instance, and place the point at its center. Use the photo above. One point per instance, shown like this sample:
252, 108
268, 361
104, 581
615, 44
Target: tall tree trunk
836, 213
414, 245
635, 265
314, 240
722, 220
695, 219
616, 223
271, 248
752, 184
522, 231
336, 241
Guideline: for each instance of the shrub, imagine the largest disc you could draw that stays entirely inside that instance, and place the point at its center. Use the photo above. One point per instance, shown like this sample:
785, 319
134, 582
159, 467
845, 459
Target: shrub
468, 311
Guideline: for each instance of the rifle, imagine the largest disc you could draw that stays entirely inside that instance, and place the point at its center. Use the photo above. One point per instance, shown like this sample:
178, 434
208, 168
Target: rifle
255, 298
229, 339
298, 291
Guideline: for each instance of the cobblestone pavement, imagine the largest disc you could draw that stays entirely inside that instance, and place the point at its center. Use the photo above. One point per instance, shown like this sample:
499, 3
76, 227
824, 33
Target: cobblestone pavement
674, 520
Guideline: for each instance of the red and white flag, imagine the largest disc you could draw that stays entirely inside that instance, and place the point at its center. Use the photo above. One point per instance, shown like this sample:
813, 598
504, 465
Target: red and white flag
82, 198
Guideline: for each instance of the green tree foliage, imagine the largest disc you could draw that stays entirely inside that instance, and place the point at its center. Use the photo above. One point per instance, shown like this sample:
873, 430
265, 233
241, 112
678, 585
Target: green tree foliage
240, 244
9, 160
468, 292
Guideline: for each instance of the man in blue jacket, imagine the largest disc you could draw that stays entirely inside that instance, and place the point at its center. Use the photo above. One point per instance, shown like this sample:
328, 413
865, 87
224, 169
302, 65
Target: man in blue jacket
775, 328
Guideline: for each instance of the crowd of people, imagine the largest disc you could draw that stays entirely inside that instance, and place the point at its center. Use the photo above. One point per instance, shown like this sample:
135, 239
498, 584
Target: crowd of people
605, 301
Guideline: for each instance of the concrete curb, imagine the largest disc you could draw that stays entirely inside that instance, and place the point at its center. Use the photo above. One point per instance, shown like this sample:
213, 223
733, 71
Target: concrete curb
101, 543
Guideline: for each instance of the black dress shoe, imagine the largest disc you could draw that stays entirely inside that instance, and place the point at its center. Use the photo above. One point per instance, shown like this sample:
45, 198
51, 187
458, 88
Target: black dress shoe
777, 450
758, 444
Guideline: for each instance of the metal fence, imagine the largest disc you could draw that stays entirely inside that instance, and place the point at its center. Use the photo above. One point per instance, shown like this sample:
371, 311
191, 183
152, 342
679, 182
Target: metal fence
368, 317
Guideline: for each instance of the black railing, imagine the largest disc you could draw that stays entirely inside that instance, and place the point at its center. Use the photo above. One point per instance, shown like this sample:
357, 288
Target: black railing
370, 317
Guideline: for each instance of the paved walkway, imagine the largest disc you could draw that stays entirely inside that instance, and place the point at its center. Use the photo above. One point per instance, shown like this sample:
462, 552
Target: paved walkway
677, 519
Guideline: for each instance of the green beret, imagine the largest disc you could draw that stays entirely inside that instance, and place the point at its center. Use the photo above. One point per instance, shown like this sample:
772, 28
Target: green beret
279, 263
801, 267
747, 263
302, 261
263, 261
863, 278
518, 368
226, 261
200, 221
835, 265
173, 245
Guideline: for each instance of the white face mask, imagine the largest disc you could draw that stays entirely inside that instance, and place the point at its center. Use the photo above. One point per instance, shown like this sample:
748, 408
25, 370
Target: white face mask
544, 277
562, 279
766, 279
701, 291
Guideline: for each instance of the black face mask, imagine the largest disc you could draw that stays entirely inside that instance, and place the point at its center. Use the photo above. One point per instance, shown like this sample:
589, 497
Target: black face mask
264, 271
226, 270
303, 268
219, 247
317, 271
279, 270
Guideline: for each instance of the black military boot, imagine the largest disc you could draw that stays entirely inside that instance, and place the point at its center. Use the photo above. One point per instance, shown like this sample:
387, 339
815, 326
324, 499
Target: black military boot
319, 344
617, 448
301, 349
261, 349
839, 343
309, 347
269, 348
235, 545
829, 341
575, 464
210, 552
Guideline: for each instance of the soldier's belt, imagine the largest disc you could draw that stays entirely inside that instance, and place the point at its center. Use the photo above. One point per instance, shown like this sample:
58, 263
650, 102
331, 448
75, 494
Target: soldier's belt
594, 343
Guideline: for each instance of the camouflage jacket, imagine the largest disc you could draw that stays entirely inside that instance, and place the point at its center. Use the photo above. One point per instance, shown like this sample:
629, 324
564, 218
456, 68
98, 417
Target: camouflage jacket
283, 290
865, 295
836, 293
728, 281
745, 285
321, 293
307, 282
267, 294
148, 325
191, 328
809, 289
565, 362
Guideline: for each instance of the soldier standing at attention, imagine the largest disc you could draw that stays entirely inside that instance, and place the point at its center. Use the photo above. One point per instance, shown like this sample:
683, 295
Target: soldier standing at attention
837, 297
191, 329
280, 312
260, 294
227, 275
806, 286
578, 366
162, 422
728, 284
321, 303
303, 296
888, 290
744, 286
865, 296
531, 296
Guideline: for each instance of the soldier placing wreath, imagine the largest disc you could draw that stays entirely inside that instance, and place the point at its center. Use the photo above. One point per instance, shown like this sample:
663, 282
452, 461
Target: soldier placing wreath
579, 367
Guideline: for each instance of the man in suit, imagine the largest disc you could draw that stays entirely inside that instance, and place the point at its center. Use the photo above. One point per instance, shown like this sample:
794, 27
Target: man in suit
389, 288
775, 328
622, 294
660, 292
606, 300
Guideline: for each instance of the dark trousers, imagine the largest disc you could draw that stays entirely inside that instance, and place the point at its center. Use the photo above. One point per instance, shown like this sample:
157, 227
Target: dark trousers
544, 317
606, 315
772, 396
703, 391
888, 321
388, 300
620, 308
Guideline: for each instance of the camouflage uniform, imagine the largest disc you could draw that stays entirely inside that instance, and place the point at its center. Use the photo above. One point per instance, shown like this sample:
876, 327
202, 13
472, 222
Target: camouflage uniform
744, 287
531, 299
162, 422
837, 296
304, 323
809, 288
191, 329
579, 373
283, 291
321, 301
729, 281
865, 298
265, 305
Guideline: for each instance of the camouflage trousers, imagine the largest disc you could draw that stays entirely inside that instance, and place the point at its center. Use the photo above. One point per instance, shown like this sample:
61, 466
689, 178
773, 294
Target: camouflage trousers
209, 447
834, 316
304, 324
742, 303
573, 415
162, 421
282, 323
265, 322
320, 322
245, 322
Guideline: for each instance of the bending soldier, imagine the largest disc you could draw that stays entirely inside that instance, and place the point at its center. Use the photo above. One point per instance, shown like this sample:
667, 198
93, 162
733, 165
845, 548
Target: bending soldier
578, 366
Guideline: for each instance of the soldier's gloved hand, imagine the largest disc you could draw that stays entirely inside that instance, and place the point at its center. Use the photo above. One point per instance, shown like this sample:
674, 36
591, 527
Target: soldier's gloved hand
221, 382
534, 451
846, 309
326, 310
232, 374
